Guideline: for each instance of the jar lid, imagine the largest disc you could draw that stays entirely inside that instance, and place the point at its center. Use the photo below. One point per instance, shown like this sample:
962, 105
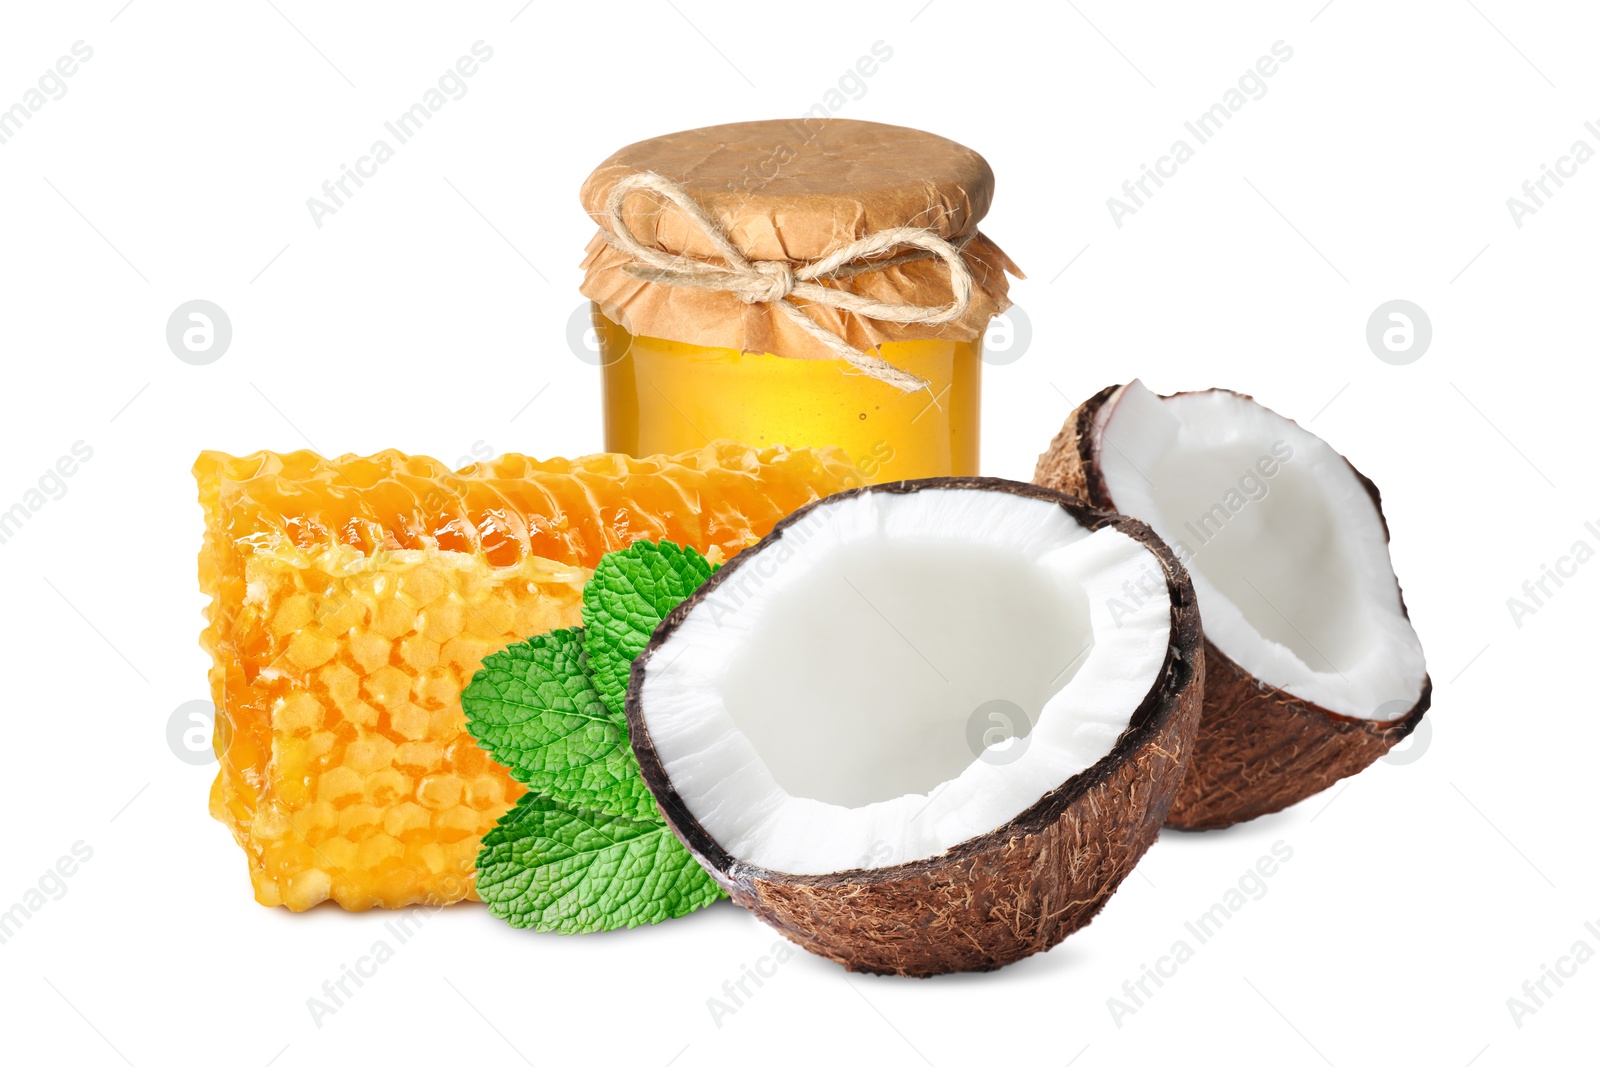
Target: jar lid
790, 188
793, 192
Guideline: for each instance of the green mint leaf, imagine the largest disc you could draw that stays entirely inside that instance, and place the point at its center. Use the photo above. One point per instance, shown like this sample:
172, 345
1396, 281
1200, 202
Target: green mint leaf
532, 708
561, 870
630, 593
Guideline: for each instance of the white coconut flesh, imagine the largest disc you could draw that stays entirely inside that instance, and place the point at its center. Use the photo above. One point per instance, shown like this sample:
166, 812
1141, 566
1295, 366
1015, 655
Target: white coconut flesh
902, 672
1283, 542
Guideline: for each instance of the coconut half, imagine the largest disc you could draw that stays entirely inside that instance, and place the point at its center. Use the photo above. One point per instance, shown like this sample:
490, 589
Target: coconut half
905, 729
1313, 668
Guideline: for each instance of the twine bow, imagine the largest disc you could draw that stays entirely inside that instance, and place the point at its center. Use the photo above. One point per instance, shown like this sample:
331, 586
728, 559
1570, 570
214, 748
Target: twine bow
773, 282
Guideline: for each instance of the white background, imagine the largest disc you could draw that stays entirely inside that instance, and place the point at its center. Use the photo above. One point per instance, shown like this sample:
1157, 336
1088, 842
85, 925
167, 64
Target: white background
433, 307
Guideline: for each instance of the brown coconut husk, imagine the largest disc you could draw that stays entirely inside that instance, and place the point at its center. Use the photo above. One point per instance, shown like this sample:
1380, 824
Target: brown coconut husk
1259, 749
1016, 890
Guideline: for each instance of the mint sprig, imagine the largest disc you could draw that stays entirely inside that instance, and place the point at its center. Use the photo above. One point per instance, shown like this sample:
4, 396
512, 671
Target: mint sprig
586, 849
534, 710
626, 599
562, 870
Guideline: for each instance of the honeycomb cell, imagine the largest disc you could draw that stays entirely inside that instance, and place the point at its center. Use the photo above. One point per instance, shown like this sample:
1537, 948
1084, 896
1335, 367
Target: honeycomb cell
439, 792
387, 687
368, 651
409, 721
307, 889
352, 599
388, 787
440, 687
454, 824
418, 653
443, 620
467, 759
359, 821
484, 793
341, 682
311, 648
490, 617
297, 711
394, 617
320, 744
336, 854
369, 754
377, 850
423, 586
466, 651
269, 826
360, 714
405, 820
315, 819
340, 616
418, 757
294, 613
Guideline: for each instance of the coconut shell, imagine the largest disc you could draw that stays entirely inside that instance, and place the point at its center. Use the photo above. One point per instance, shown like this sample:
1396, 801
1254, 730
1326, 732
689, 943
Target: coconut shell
1016, 890
1259, 749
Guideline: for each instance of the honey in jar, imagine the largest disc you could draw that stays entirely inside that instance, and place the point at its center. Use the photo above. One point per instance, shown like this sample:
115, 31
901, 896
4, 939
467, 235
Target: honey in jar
715, 243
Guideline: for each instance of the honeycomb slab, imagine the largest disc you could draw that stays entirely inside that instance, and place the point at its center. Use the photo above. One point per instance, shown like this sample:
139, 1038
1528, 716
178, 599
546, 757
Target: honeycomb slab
352, 599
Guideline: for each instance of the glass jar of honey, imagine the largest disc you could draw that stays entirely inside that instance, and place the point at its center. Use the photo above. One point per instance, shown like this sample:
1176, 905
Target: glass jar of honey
808, 283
